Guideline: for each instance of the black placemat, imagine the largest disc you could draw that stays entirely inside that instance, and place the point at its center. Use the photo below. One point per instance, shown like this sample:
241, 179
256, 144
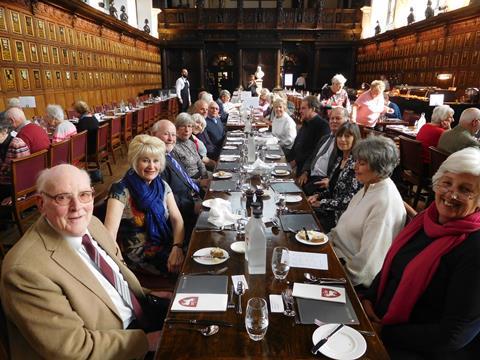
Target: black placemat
296, 222
326, 311
230, 151
232, 166
202, 222
285, 187
223, 185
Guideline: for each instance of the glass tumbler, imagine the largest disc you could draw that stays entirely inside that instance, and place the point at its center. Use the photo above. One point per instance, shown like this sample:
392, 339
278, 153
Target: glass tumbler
280, 262
256, 318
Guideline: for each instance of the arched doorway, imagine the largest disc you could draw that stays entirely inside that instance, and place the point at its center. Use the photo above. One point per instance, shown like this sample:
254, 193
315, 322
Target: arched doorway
220, 73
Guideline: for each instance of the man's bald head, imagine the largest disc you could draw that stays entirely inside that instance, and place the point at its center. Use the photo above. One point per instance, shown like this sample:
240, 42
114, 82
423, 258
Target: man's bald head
166, 131
201, 107
16, 116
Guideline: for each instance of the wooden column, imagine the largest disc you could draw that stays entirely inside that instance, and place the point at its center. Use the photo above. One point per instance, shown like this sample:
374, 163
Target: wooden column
165, 83
202, 68
278, 69
240, 67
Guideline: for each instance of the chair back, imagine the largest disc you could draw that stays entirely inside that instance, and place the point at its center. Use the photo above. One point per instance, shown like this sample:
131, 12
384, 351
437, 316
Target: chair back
59, 153
140, 121
25, 171
437, 157
411, 212
115, 128
411, 155
99, 109
78, 150
102, 137
127, 129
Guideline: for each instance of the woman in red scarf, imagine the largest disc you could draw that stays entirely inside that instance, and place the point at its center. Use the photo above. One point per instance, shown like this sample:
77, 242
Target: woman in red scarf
426, 299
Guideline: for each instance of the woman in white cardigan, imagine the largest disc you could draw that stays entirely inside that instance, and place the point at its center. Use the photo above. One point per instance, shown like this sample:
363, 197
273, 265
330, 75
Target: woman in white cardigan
283, 126
375, 214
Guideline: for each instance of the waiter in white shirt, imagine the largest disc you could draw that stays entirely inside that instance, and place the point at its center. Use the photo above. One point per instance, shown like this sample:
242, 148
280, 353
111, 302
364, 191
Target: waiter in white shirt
182, 87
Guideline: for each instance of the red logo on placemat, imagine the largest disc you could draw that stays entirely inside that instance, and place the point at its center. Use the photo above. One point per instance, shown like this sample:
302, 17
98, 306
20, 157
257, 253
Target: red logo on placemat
330, 293
190, 301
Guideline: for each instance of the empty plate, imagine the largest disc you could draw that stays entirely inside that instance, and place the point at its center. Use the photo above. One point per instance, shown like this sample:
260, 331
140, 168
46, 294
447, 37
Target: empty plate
238, 247
345, 344
273, 156
293, 198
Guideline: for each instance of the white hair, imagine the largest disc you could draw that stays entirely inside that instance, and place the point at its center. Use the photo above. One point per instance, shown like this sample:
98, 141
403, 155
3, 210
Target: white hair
441, 113
465, 161
468, 115
205, 96
197, 118
339, 78
55, 112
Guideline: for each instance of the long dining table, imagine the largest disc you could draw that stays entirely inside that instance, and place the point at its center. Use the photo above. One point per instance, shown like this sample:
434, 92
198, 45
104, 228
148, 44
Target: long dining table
286, 338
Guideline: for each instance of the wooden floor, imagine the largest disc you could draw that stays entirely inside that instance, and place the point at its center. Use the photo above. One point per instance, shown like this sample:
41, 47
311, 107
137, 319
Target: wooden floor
11, 235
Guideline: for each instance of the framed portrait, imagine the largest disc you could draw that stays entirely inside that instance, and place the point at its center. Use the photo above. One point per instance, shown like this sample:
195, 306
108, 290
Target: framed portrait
6, 52
64, 56
3, 23
37, 81
41, 29
24, 79
425, 47
52, 35
454, 61
446, 60
68, 79
33, 52
449, 43
55, 55
468, 41
458, 42
82, 80
438, 60
440, 44
464, 59
75, 79
71, 38
29, 25
10, 83
16, 26
79, 38
80, 58
58, 79
74, 57
48, 79
61, 33
20, 50
45, 54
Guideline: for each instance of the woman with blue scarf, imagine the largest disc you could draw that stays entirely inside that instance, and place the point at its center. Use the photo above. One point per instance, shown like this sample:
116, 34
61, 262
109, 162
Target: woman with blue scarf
142, 213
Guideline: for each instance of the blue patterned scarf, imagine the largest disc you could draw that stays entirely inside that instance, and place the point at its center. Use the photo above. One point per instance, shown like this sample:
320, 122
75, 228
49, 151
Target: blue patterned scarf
149, 199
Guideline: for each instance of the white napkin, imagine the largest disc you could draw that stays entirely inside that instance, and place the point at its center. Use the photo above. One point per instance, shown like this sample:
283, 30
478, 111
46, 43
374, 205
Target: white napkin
267, 140
259, 167
221, 213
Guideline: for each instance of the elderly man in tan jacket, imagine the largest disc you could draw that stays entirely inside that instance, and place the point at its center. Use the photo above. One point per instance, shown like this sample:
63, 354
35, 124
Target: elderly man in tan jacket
64, 287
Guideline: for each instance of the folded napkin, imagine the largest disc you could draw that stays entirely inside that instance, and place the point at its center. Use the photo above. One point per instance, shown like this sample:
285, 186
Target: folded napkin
259, 167
266, 140
221, 213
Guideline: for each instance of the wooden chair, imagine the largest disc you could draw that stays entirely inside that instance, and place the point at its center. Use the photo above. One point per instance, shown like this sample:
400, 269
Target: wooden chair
411, 212
115, 137
78, 150
127, 132
139, 125
101, 152
366, 131
99, 109
59, 153
437, 157
413, 170
24, 176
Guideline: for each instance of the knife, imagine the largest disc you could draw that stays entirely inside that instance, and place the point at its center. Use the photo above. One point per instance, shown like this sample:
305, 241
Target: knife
198, 322
322, 342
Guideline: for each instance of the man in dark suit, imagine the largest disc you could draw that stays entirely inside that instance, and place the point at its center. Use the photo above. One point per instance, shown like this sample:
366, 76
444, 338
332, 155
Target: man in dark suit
215, 128
320, 163
187, 192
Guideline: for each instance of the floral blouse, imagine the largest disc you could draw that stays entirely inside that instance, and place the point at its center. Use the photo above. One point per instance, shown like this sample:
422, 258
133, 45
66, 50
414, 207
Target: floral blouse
132, 236
337, 197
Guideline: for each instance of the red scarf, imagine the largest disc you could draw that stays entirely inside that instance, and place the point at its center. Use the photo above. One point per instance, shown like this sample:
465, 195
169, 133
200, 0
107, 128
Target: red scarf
420, 270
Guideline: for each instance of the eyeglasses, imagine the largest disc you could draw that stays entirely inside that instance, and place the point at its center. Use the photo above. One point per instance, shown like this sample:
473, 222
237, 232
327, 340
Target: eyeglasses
64, 199
443, 187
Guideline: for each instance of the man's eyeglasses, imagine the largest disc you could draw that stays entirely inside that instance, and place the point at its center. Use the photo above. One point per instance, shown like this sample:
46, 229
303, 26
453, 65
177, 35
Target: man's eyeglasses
64, 199
442, 187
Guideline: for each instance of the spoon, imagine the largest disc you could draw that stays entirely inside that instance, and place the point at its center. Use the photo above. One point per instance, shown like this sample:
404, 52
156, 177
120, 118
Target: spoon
313, 279
205, 331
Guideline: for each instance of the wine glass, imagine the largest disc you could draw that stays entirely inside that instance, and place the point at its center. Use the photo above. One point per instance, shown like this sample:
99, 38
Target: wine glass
280, 262
256, 318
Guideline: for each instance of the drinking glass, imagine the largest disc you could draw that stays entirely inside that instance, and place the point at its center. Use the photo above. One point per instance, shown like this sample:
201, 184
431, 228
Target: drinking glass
256, 318
240, 223
280, 200
280, 262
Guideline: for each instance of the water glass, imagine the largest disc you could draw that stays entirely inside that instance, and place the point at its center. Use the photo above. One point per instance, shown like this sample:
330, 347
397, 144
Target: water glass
241, 222
256, 318
280, 200
280, 262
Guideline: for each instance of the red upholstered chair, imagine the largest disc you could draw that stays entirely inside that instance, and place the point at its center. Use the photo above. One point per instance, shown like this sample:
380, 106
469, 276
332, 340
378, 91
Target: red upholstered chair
140, 116
78, 150
24, 176
101, 152
413, 171
127, 129
59, 153
115, 137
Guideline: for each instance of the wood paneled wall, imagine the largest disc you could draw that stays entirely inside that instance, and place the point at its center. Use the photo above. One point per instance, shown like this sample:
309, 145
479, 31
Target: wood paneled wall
63, 51
416, 54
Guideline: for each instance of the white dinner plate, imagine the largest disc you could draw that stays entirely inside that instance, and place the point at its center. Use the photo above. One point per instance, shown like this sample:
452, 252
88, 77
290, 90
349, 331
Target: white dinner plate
263, 129
227, 158
207, 260
238, 247
233, 138
345, 344
222, 175
280, 172
230, 143
312, 233
207, 203
229, 147
293, 198
273, 156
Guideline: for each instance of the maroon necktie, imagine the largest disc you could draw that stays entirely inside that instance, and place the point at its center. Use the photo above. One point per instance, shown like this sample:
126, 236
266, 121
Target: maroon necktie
127, 295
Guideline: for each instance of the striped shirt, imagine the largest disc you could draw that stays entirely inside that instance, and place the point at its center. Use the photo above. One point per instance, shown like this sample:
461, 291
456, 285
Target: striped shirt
17, 149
